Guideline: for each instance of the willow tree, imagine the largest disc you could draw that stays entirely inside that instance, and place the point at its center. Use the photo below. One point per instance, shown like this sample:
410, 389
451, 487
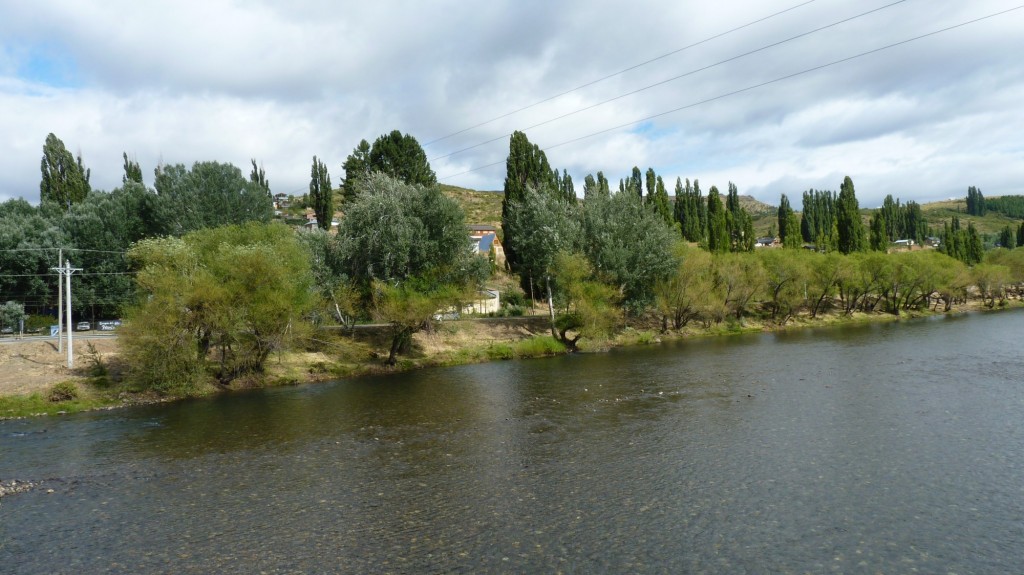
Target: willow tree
214, 305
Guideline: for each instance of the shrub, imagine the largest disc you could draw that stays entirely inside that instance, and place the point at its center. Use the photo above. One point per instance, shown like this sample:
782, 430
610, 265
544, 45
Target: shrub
539, 346
63, 391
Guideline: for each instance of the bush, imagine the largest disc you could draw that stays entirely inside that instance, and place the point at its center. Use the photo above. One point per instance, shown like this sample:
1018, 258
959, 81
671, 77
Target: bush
63, 391
512, 299
500, 351
539, 346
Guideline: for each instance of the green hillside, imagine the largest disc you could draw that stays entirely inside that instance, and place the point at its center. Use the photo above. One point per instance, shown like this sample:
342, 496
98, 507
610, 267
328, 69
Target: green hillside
480, 207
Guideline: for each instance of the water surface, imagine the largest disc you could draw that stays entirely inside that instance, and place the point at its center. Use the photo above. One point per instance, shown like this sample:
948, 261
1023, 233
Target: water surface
883, 448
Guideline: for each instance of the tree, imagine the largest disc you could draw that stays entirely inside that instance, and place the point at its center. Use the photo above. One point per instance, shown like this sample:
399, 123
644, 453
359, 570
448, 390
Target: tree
786, 276
975, 202
878, 239
1007, 238
543, 225
589, 187
848, 223
12, 314
132, 171
629, 247
395, 231
681, 297
405, 249
216, 303
661, 202
258, 176
64, 180
565, 187
635, 184
357, 168
718, 233
320, 194
209, 194
400, 156
526, 167
407, 308
587, 305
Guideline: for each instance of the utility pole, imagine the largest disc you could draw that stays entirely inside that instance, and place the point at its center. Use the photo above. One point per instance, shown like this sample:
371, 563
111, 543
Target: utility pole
66, 271
60, 303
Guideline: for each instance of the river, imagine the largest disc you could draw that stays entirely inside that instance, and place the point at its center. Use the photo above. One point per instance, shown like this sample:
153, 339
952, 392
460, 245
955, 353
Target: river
885, 448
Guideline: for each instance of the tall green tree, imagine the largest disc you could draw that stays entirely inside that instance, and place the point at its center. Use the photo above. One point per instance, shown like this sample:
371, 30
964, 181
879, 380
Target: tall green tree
258, 176
65, 181
789, 225
718, 232
878, 238
975, 202
400, 156
526, 167
848, 223
132, 170
661, 202
357, 168
320, 194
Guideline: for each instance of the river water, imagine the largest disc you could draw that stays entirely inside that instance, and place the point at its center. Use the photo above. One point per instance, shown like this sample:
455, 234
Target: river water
888, 448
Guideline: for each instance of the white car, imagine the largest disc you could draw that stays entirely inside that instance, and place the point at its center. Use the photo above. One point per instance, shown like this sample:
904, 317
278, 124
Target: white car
83, 326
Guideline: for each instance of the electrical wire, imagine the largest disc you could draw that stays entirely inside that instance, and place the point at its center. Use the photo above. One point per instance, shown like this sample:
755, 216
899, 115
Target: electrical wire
752, 87
672, 79
620, 72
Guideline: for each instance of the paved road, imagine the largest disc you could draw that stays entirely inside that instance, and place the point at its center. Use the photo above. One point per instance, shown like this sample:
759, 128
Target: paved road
11, 339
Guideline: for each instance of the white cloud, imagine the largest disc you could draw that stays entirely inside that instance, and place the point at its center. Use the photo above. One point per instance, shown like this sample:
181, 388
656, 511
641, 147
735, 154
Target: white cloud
219, 80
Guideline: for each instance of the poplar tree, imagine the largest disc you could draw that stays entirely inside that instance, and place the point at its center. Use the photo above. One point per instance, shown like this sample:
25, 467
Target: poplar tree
320, 194
718, 234
786, 218
132, 171
257, 176
849, 226
65, 181
526, 166
661, 202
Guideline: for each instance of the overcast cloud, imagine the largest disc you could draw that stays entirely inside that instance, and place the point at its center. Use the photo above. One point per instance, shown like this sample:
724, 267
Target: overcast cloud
190, 80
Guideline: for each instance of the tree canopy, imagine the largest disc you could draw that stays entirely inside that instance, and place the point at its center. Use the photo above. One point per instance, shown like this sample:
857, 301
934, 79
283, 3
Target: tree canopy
65, 180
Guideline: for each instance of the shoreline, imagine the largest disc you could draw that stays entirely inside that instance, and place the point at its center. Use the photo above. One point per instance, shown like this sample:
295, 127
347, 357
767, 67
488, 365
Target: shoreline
462, 342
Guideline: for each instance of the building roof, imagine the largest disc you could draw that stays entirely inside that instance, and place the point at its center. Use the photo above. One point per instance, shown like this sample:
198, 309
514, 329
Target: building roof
485, 243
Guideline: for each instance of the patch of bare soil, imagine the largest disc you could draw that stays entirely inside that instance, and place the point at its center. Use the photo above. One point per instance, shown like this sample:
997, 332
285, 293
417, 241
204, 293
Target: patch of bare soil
31, 365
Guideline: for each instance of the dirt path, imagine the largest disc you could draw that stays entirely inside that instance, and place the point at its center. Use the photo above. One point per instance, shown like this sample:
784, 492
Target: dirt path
31, 365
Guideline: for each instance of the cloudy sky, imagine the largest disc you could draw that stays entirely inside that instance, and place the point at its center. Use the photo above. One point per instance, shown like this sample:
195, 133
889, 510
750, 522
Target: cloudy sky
194, 80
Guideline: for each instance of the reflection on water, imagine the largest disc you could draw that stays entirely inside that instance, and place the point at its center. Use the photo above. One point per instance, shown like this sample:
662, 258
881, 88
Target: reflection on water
882, 448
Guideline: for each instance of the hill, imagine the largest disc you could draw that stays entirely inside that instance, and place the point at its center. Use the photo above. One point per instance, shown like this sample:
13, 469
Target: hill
480, 207
485, 208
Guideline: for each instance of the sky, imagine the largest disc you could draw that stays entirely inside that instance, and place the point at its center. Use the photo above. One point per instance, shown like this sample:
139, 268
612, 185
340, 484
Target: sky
777, 96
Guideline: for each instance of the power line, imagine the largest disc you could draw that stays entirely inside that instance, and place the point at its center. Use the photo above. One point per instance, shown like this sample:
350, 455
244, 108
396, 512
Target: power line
754, 87
11, 250
674, 78
80, 275
620, 72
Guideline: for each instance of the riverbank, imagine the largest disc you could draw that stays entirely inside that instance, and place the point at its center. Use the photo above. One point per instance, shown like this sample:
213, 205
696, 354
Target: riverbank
34, 381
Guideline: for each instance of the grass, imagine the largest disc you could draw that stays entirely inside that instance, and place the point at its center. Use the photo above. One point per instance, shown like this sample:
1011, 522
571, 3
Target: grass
63, 397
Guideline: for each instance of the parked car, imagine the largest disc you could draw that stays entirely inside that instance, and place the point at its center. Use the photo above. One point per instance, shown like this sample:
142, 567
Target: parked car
7, 330
83, 326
